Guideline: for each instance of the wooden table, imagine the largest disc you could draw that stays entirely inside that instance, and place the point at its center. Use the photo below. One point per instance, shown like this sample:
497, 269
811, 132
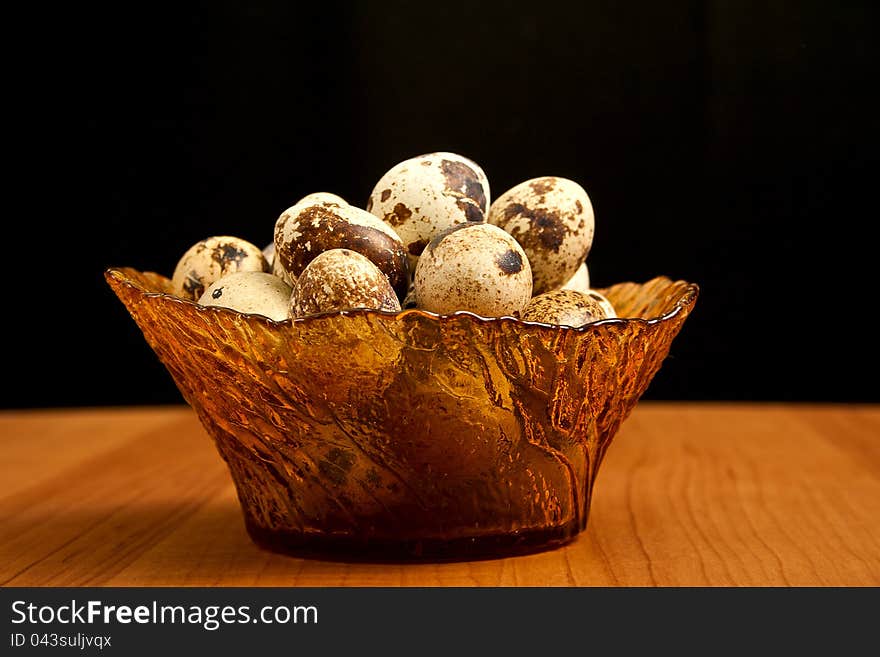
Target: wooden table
689, 494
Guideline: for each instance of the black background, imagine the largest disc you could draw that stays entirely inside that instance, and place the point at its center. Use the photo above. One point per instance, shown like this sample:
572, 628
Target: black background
729, 144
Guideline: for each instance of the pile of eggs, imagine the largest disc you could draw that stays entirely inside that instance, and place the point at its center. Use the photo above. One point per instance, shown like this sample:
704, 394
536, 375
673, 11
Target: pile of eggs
429, 238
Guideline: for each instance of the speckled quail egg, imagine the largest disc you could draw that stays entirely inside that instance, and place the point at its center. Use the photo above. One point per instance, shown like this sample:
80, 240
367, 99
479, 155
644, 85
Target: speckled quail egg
341, 279
323, 198
565, 307
424, 195
580, 282
250, 292
552, 218
603, 301
474, 267
315, 198
304, 231
211, 259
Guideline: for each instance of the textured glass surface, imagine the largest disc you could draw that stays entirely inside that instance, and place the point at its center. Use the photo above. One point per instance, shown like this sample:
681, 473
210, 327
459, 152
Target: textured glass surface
408, 434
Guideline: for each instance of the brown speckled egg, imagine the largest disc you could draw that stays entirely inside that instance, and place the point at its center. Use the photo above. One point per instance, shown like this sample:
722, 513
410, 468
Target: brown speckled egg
322, 198
580, 282
564, 307
304, 231
211, 259
552, 218
603, 301
341, 279
423, 196
250, 292
473, 267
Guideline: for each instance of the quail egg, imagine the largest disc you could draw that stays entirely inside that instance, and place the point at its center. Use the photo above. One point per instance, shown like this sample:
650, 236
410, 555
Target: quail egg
474, 267
580, 281
304, 231
553, 220
424, 195
250, 292
603, 301
323, 198
341, 279
566, 307
212, 258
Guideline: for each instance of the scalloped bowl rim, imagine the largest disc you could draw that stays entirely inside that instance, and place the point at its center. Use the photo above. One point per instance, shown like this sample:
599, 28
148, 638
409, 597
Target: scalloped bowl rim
688, 296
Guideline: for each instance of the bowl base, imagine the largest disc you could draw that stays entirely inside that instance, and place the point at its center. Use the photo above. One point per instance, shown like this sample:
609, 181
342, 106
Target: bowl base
359, 549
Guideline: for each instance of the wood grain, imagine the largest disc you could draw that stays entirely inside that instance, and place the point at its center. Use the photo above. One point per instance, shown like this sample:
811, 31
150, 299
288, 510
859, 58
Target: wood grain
689, 495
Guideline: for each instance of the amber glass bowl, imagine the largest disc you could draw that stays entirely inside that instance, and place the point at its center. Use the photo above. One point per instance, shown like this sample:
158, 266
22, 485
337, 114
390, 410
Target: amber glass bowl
382, 435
